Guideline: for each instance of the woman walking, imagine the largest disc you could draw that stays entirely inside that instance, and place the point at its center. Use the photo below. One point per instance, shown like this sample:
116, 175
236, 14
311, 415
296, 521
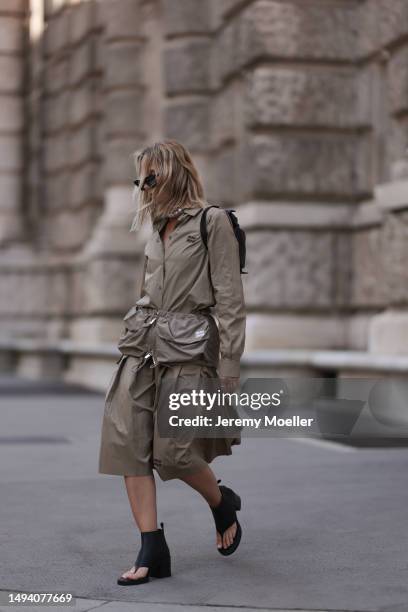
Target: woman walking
171, 337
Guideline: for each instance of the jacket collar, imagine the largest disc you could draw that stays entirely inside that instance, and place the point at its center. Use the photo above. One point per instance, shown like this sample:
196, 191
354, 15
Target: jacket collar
192, 212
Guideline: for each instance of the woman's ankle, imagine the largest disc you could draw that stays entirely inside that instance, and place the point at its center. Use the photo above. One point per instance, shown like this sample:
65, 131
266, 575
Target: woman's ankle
216, 500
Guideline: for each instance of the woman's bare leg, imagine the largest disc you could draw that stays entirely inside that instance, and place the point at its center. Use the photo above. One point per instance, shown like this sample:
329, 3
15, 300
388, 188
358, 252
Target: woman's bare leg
141, 492
205, 483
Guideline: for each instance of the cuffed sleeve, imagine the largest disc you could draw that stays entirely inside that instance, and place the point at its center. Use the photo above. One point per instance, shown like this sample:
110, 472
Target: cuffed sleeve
226, 281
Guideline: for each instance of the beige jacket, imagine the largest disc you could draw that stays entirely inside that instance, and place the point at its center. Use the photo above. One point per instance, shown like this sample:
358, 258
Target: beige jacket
184, 276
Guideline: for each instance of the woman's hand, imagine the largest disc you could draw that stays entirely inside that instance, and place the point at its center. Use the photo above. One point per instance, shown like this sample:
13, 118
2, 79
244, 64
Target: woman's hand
229, 384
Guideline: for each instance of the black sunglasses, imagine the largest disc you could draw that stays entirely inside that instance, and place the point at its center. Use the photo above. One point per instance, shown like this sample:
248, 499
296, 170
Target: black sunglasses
150, 181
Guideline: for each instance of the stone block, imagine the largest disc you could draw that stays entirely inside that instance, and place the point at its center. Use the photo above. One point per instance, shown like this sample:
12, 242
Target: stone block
301, 274
99, 52
58, 293
81, 60
81, 20
81, 144
119, 152
317, 96
312, 163
11, 153
10, 227
396, 145
394, 246
120, 18
357, 331
368, 274
69, 230
124, 113
398, 80
221, 186
124, 64
83, 184
11, 34
367, 20
100, 138
225, 61
11, 115
224, 119
111, 234
10, 192
81, 103
181, 16
271, 28
189, 122
392, 196
13, 327
56, 152
388, 332
78, 281
392, 20
31, 288
222, 8
56, 76
11, 74
381, 23
111, 285
14, 7
56, 34
56, 190
294, 331
57, 109
187, 66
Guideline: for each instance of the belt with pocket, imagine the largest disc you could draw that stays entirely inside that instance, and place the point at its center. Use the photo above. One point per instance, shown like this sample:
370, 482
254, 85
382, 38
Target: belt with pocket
170, 337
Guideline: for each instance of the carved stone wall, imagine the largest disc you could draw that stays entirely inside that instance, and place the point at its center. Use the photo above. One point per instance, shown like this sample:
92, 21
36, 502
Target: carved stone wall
296, 113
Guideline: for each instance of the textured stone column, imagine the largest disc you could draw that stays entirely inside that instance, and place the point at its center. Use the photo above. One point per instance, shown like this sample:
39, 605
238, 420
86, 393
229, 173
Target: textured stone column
388, 331
12, 47
187, 61
110, 259
290, 129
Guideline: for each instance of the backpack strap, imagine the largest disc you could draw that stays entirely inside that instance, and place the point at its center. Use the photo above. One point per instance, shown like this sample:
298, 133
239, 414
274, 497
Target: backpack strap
203, 224
238, 231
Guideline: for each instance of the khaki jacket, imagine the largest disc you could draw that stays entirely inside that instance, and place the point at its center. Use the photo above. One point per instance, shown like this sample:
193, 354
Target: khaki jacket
185, 277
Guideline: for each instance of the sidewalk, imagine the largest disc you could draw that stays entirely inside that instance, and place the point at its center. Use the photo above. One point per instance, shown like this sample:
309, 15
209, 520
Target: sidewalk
324, 526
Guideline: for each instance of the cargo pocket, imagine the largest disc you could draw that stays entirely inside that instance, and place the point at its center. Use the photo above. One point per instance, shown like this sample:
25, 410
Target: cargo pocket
181, 339
133, 340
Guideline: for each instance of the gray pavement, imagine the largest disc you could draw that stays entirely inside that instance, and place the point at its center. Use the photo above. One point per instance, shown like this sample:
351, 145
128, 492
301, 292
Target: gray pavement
324, 526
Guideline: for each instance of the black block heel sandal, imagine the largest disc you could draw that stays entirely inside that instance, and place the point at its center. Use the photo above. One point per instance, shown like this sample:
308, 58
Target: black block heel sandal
154, 554
225, 516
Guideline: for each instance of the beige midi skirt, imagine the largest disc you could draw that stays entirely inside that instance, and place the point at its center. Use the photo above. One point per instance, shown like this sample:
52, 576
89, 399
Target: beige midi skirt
131, 444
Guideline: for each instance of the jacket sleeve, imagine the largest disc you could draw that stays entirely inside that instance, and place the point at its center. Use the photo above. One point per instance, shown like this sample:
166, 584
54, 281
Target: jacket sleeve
223, 253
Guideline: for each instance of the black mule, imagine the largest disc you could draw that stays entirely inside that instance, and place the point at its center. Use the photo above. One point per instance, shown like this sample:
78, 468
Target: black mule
225, 516
154, 554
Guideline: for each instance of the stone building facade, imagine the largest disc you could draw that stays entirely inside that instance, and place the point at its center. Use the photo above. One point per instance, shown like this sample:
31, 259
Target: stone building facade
296, 113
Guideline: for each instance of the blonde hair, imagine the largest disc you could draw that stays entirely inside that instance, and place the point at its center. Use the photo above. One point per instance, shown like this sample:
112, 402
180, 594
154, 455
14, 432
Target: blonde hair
178, 182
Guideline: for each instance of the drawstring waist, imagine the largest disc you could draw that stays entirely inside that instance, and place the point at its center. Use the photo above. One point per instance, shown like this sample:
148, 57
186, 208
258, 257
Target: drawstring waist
170, 313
